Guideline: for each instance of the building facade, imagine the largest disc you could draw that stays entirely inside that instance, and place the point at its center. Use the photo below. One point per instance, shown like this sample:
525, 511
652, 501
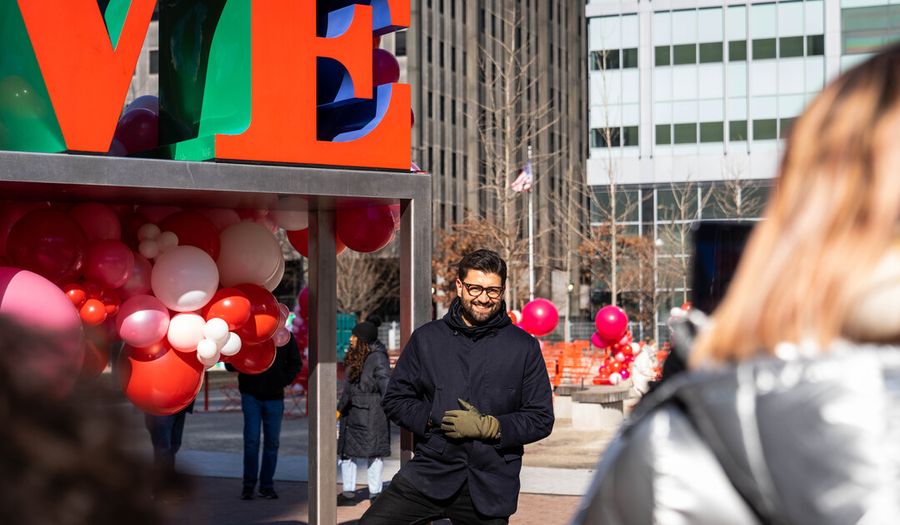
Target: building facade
690, 101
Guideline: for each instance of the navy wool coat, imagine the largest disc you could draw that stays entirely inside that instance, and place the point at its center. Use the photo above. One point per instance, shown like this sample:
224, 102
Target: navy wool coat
502, 373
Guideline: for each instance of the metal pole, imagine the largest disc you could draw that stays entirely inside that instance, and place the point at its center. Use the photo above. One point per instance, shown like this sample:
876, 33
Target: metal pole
531, 230
322, 369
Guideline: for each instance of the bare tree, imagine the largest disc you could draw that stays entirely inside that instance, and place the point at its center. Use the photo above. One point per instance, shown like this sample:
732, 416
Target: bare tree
365, 281
676, 217
737, 198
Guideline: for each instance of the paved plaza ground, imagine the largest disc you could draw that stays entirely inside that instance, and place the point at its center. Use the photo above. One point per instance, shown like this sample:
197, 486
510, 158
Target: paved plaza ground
556, 470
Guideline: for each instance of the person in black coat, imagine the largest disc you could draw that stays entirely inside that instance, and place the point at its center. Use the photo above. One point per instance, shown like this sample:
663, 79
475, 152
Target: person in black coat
474, 390
262, 402
365, 436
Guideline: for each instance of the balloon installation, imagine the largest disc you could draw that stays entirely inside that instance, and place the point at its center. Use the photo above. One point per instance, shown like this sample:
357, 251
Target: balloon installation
539, 317
615, 343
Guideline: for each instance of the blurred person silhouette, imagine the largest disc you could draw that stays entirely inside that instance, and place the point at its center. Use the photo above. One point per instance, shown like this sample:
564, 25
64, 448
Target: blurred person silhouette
365, 435
262, 403
789, 412
65, 459
165, 435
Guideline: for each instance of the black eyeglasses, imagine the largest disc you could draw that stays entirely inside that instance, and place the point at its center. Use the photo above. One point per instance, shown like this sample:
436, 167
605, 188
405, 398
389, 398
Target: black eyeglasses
493, 292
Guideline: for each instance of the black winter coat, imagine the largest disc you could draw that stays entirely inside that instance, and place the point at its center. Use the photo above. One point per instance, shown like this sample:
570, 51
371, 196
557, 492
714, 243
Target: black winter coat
269, 385
498, 368
364, 429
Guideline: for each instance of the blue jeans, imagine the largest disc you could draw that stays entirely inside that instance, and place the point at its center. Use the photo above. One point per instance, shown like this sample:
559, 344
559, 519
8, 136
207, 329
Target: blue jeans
165, 434
265, 414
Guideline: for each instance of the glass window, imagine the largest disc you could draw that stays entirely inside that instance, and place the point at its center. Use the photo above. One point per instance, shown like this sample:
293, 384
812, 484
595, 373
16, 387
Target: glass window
609, 137
712, 132
737, 50
630, 57
676, 202
400, 43
663, 56
154, 62
663, 133
630, 136
595, 138
763, 48
710, 52
815, 45
685, 133
785, 128
611, 57
765, 129
737, 130
596, 62
684, 54
790, 46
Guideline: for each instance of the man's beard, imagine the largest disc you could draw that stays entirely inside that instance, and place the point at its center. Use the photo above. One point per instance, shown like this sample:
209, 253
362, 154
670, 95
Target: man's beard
478, 317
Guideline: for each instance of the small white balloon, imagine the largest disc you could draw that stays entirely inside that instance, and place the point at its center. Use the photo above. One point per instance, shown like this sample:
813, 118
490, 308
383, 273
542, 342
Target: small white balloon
282, 336
208, 361
291, 214
148, 232
216, 330
232, 345
149, 249
207, 349
167, 241
635, 348
615, 378
186, 331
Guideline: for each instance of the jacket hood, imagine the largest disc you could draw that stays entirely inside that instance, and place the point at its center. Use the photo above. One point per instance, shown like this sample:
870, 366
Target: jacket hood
454, 319
377, 346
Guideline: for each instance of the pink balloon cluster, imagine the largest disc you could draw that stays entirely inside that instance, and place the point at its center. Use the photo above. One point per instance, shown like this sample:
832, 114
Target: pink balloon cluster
539, 317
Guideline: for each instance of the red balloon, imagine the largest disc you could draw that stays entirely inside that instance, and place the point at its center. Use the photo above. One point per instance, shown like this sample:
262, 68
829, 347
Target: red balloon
229, 304
512, 317
10, 212
193, 229
76, 293
365, 229
303, 302
159, 379
254, 358
98, 221
539, 317
611, 323
299, 239
93, 312
138, 282
385, 68
131, 223
48, 242
264, 315
108, 263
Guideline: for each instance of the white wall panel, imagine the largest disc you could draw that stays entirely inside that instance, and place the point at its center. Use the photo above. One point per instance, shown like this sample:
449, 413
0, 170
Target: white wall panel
790, 19
763, 21
684, 82
790, 75
684, 27
711, 83
709, 25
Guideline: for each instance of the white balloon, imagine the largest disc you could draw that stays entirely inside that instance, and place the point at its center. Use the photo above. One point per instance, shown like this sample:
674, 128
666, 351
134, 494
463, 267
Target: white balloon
207, 349
186, 331
289, 215
184, 278
148, 232
208, 361
232, 345
216, 330
282, 336
273, 281
167, 241
615, 378
149, 249
250, 254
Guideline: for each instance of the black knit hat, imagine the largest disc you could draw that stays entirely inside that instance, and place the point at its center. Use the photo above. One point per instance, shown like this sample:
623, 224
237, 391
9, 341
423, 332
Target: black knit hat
365, 331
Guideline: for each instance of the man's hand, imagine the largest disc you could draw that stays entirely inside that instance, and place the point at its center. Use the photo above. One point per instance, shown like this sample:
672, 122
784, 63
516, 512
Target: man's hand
469, 423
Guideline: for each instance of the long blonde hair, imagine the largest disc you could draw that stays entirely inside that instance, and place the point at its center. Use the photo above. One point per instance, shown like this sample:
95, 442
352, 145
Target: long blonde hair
834, 212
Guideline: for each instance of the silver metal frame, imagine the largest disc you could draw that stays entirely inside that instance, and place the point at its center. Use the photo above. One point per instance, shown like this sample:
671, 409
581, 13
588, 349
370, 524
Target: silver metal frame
227, 185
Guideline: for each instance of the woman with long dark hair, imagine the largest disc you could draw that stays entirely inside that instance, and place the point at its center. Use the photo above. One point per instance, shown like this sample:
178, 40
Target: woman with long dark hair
365, 436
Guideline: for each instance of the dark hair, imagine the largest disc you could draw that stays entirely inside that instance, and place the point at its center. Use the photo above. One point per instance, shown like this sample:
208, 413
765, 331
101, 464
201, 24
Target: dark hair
487, 261
354, 360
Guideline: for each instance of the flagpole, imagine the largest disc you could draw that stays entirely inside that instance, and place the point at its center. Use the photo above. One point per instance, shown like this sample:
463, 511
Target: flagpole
531, 230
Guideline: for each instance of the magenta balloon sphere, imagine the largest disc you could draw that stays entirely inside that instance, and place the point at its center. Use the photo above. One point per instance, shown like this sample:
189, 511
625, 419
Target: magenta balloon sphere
108, 263
539, 317
611, 323
597, 341
366, 229
142, 321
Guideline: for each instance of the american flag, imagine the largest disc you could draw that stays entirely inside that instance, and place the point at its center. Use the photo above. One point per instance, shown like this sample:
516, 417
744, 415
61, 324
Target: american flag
523, 181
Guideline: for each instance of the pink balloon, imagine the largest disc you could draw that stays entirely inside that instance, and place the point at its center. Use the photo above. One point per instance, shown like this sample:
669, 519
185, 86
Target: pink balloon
539, 317
10, 212
138, 282
221, 217
282, 337
184, 278
142, 320
249, 254
611, 323
98, 221
108, 263
303, 302
39, 304
597, 341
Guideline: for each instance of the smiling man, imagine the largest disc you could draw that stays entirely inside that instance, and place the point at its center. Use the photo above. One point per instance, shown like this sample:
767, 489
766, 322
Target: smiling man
474, 390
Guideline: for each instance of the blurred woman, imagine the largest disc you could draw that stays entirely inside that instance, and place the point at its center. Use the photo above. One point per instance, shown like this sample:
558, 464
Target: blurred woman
365, 436
790, 413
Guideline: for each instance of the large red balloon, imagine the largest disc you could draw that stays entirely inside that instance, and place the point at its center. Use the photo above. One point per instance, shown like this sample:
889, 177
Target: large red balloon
385, 68
539, 317
254, 358
98, 221
611, 323
48, 242
299, 239
365, 229
159, 379
229, 304
10, 213
193, 229
264, 315
108, 263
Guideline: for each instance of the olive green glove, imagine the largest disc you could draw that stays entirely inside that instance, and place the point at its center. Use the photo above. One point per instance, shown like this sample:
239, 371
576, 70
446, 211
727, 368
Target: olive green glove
469, 423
